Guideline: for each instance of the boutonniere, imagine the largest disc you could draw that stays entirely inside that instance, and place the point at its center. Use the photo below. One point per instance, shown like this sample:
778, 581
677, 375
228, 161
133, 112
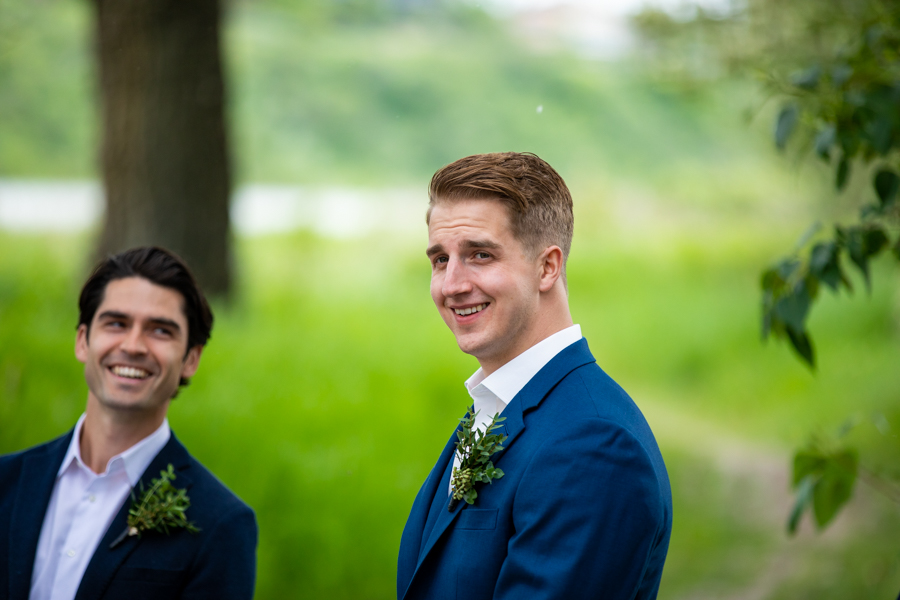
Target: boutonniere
160, 508
475, 449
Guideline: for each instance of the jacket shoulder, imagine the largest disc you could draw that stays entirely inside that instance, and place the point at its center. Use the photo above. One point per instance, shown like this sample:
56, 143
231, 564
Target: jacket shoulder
11, 464
211, 498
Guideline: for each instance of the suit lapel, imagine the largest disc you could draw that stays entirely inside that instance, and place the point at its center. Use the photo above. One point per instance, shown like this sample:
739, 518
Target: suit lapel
106, 561
529, 398
34, 491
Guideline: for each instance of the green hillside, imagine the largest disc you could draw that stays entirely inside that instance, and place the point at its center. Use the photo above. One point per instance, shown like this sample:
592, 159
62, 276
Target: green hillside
384, 99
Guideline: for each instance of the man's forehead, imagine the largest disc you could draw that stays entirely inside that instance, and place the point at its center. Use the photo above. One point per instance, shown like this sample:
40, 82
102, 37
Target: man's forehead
140, 297
475, 214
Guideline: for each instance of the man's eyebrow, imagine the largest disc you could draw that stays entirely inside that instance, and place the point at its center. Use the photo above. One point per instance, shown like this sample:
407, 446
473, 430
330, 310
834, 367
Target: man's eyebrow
114, 314
468, 244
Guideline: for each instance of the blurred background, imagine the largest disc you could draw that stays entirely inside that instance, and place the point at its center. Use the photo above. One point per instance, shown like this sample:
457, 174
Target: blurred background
284, 147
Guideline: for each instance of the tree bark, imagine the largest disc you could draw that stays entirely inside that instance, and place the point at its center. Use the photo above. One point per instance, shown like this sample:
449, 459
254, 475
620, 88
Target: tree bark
164, 145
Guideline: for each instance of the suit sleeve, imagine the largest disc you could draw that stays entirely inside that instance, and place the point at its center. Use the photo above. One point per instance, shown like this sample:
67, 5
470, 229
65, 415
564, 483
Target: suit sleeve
226, 566
587, 515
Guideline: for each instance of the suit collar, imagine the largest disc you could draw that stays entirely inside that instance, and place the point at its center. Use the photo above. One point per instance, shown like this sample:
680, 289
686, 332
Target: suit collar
569, 359
106, 561
133, 460
34, 489
507, 381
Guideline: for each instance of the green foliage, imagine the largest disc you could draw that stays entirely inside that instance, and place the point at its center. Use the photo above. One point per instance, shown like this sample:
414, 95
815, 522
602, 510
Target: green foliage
475, 448
790, 287
824, 478
161, 507
850, 104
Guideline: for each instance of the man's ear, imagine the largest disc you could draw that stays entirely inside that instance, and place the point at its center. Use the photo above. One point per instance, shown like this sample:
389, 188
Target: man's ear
551, 265
81, 343
191, 362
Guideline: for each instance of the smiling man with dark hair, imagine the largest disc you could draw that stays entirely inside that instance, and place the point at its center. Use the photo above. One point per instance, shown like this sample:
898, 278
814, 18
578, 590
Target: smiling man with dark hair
64, 506
579, 506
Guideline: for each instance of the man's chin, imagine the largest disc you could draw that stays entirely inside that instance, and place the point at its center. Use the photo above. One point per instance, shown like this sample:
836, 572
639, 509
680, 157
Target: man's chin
472, 347
131, 406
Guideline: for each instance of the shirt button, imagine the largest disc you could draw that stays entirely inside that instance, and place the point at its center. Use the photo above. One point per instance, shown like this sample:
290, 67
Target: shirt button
70, 553
92, 498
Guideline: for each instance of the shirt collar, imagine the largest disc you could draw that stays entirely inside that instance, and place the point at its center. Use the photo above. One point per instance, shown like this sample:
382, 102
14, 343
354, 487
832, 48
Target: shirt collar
134, 460
508, 380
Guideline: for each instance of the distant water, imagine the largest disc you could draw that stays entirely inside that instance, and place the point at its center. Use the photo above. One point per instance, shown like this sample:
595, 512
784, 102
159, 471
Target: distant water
257, 209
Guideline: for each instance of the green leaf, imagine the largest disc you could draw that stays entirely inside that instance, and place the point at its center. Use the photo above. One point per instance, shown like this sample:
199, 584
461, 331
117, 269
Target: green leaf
875, 239
825, 140
843, 171
784, 126
853, 240
807, 461
863, 242
840, 74
835, 487
770, 279
793, 307
886, 185
803, 345
804, 496
824, 264
807, 79
788, 267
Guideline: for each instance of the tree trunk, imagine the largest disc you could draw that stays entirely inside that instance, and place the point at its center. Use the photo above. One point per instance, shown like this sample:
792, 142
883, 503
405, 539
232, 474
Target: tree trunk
164, 148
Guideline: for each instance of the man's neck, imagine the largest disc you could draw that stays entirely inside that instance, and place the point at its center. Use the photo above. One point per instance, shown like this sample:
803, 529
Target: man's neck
539, 333
107, 432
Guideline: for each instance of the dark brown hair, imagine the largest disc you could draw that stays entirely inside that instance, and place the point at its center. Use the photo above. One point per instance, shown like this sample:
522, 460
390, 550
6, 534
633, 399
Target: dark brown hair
539, 203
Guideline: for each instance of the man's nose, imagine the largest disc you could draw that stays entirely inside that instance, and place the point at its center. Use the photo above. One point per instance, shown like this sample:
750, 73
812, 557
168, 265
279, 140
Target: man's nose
134, 341
457, 279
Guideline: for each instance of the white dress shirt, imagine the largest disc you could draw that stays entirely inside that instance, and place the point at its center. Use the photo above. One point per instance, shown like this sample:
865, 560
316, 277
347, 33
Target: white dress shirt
491, 394
82, 506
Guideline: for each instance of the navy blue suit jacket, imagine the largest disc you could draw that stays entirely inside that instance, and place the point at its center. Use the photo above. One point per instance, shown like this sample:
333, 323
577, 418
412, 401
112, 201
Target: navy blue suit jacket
218, 562
583, 510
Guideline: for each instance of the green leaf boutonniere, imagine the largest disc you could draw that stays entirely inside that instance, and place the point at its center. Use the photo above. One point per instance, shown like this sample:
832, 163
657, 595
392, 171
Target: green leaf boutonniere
160, 508
475, 449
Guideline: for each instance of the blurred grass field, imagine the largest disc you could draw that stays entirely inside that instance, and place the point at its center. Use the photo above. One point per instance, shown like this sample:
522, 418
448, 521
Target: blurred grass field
330, 386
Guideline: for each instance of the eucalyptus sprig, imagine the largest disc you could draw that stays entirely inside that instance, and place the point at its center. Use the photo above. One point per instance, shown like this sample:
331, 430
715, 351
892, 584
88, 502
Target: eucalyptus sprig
475, 449
161, 507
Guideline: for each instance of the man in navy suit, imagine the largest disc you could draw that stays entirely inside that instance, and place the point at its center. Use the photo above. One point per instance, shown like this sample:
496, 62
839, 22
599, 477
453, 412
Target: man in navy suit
64, 506
583, 508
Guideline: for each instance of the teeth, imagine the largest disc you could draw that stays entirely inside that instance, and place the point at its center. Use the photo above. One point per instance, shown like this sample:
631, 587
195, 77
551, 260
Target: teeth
130, 372
469, 311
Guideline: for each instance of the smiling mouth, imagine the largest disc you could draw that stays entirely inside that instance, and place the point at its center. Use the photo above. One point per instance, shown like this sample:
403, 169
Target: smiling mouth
130, 372
470, 311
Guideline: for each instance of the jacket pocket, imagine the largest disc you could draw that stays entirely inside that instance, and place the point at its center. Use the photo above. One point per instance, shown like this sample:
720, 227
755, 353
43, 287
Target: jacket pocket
477, 518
